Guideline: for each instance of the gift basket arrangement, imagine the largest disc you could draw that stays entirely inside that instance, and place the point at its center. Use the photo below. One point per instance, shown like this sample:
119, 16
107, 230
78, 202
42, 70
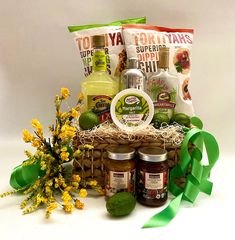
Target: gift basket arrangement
132, 135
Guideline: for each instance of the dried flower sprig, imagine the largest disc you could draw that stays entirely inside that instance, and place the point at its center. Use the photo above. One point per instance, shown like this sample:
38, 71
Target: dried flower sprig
51, 155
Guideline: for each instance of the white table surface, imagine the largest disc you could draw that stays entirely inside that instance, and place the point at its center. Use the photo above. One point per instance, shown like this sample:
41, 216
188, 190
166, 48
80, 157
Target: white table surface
208, 218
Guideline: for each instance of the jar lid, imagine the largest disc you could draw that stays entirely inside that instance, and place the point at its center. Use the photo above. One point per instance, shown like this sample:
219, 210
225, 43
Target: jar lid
121, 152
152, 154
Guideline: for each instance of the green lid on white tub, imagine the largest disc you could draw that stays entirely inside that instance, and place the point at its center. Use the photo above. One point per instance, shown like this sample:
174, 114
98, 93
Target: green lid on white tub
132, 109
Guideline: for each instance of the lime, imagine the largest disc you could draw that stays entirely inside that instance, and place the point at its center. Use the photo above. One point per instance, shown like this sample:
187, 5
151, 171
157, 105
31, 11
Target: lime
160, 118
181, 119
88, 120
121, 204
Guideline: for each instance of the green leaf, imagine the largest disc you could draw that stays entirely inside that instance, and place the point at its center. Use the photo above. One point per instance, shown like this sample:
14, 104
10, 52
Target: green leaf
178, 67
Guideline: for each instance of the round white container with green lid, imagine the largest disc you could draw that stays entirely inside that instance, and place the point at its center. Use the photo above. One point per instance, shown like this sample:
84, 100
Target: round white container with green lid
132, 109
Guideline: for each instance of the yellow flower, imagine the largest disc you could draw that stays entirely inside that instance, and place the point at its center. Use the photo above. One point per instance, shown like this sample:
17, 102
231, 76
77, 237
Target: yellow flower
48, 190
80, 97
39, 153
65, 93
44, 200
58, 114
49, 183
68, 207
100, 191
43, 165
57, 101
60, 181
64, 156
57, 151
75, 185
76, 178
68, 188
93, 183
52, 206
83, 193
37, 125
27, 136
64, 149
79, 204
74, 113
64, 115
66, 197
28, 154
36, 143
77, 153
87, 146
67, 132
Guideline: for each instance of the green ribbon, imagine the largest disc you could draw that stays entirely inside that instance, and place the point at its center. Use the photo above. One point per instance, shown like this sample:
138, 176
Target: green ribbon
24, 175
197, 180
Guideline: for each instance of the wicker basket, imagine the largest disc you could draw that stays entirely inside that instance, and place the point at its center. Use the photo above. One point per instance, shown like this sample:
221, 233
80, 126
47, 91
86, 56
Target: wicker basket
92, 164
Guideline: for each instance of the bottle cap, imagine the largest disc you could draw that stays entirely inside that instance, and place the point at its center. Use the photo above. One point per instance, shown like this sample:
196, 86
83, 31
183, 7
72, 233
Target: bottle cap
133, 63
163, 57
98, 41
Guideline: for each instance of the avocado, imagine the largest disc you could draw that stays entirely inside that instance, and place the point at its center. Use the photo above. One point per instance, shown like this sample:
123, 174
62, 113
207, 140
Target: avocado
121, 204
160, 118
181, 119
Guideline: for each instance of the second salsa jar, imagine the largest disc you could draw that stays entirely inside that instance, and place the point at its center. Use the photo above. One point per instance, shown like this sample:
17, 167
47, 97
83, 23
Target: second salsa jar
152, 176
120, 170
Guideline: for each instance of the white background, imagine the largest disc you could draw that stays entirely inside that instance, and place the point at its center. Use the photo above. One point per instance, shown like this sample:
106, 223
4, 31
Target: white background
38, 57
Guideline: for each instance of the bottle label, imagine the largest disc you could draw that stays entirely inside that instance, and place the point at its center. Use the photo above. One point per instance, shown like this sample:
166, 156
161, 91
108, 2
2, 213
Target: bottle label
165, 100
100, 105
152, 185
99, 61
163, 96
119, 182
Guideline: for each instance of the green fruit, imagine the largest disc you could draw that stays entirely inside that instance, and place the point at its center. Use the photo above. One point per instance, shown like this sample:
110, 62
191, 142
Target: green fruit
88, 120
121, 204
160, 118
181, 119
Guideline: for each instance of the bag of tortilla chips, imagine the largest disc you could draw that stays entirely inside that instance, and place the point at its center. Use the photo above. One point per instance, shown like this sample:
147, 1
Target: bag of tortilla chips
115, 51
144, 41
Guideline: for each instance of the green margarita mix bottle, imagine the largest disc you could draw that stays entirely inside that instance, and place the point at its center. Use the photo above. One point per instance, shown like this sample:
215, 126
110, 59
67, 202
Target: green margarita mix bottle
99, 88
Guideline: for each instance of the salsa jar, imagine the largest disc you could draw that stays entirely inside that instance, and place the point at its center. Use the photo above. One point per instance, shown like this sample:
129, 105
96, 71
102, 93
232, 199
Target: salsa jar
152, 176
120, 170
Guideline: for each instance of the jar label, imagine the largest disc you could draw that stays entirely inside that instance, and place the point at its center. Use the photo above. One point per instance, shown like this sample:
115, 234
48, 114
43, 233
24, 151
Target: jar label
153, 180
152, 185
119, 182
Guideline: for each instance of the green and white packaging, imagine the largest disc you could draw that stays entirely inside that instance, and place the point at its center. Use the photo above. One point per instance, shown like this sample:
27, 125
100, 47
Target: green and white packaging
115, 50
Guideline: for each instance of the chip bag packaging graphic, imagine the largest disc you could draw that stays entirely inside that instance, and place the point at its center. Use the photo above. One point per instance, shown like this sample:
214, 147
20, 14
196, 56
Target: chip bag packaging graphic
144, 41
115, 51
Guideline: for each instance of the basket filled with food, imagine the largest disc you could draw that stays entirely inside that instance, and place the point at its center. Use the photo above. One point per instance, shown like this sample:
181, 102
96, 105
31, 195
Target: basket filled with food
132, 136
